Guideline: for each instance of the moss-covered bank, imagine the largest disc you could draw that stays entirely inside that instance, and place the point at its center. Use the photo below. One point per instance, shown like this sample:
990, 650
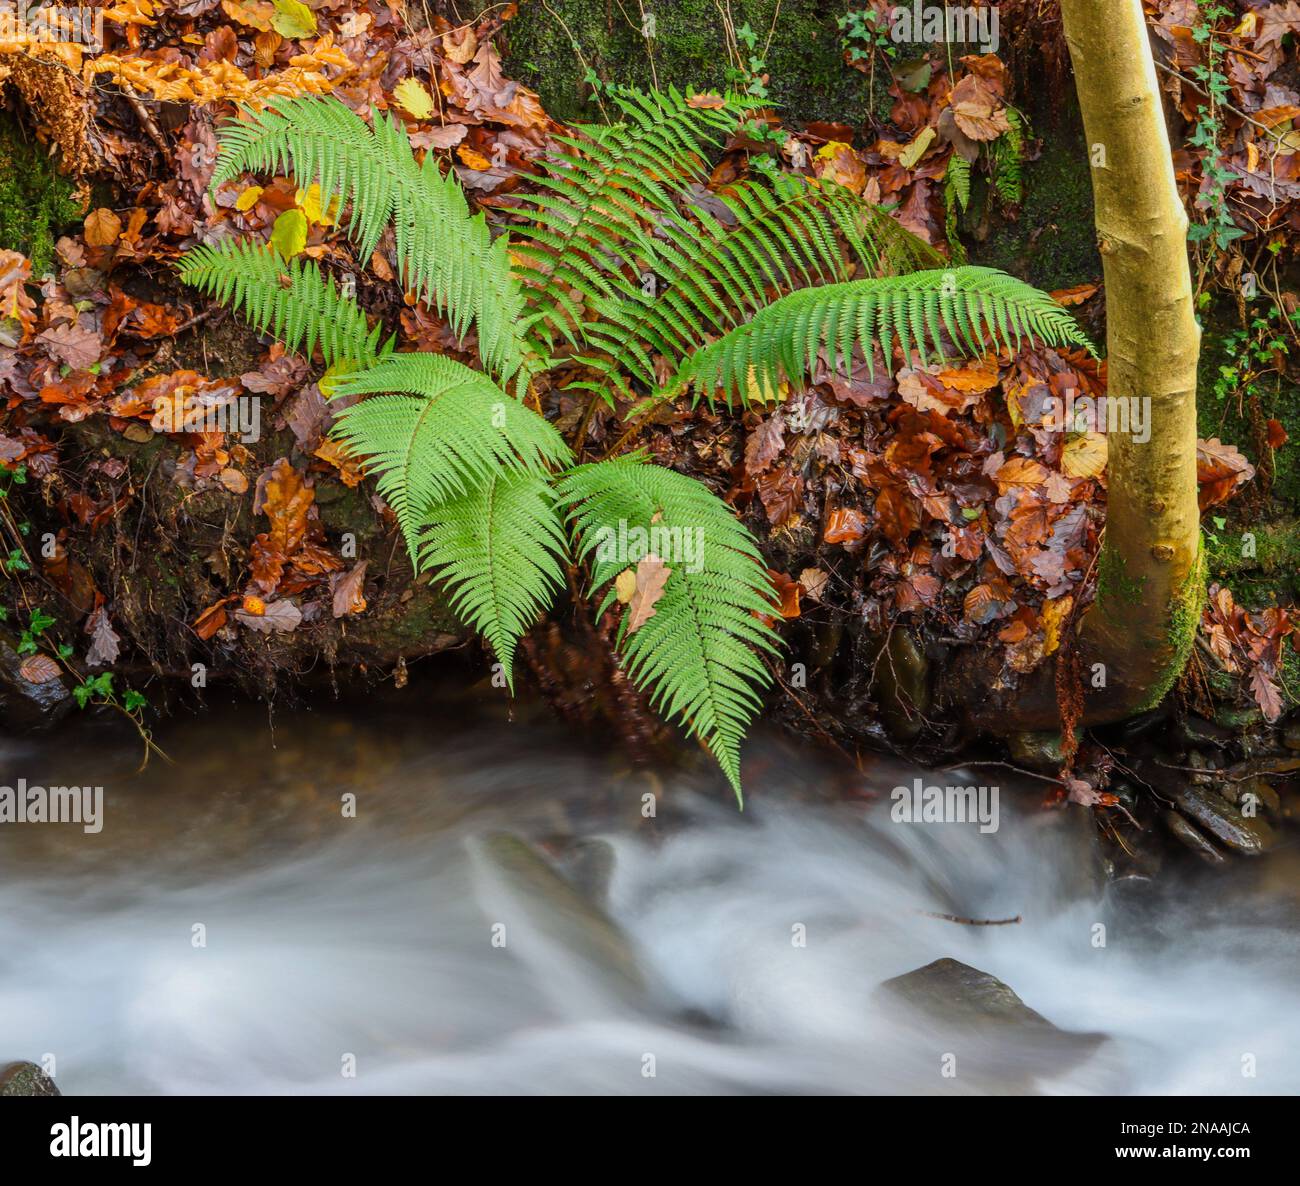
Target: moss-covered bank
36, 204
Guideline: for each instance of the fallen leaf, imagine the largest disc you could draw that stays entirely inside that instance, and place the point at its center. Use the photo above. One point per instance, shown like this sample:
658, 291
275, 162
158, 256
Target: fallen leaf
651, 576
413, 97
103, 228
347, 590
1085, 456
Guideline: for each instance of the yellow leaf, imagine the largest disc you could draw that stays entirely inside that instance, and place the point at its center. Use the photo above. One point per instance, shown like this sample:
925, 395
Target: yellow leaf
916, 150
289, 236
293, 19
309, 202
413, 97
255, 15
625, 585
1085, 456
758, 391
248, 199
1054, 614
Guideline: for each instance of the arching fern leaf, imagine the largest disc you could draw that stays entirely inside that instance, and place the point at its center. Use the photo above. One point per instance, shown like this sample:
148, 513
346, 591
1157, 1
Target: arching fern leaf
600, 201
445, 254
306, 312
966, 310
499, 549
439, 431
699, 654
714, 272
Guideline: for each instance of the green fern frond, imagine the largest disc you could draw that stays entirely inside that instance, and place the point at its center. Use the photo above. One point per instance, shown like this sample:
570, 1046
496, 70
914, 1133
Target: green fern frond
700, 655
711, 277
306, 312
956, 197
445, 254
600, 200
956, 181
439, 431
964, 310
500, 550
1008, 155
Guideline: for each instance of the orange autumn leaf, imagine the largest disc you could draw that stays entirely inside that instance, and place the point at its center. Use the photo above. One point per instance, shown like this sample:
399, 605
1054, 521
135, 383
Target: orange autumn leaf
286, 502
844, 525
103, 228
1073, 296
974, 378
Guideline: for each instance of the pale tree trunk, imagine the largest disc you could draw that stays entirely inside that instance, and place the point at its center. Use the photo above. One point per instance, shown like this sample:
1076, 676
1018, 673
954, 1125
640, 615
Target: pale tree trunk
1136, 636
1143, 622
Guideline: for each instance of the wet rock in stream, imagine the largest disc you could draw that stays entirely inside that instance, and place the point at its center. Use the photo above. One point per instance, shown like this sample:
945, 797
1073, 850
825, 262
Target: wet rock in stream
25, 1078
577, 950
999, 1042
32, 694
1224, 822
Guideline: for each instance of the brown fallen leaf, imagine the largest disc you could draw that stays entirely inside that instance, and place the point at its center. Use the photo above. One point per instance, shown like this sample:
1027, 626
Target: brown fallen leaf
347, 590
38, 669
651, 576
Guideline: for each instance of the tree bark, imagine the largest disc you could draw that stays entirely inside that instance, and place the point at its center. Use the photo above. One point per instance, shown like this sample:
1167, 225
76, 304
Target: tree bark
1136, 636
1143, 622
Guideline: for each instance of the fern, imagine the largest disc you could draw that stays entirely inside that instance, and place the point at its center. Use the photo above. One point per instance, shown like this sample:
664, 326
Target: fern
1008, 155
710, 278
470, 471
307, 312
445, 255
439, 432
969, 310
699, 655
956, 197
606, 193
499, 548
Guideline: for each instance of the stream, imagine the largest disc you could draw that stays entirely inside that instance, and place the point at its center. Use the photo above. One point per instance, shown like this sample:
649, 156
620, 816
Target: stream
499, 915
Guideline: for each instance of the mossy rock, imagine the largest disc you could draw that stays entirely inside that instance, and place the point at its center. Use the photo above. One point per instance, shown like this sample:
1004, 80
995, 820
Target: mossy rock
549, 47
36, 204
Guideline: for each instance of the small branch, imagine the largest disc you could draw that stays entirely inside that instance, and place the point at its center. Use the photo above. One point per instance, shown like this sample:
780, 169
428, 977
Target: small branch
972, 922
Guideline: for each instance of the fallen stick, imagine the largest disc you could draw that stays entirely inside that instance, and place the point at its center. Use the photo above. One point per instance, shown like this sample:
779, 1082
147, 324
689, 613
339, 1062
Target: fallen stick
972, 922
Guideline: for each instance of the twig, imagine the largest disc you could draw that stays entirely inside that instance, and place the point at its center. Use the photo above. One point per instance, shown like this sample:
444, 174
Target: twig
972, 922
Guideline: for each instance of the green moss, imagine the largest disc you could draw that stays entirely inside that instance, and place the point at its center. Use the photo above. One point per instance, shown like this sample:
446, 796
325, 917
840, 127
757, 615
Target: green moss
804, 59
1184, 620
1114, 586
1228, 418
36, 203
1259, 562
1053, 244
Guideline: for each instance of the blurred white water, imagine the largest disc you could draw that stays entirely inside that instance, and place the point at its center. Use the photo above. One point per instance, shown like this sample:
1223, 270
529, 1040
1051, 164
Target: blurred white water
372, 937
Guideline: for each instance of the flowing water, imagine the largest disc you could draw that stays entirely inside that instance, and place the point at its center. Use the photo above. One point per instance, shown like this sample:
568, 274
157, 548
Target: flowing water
233, 929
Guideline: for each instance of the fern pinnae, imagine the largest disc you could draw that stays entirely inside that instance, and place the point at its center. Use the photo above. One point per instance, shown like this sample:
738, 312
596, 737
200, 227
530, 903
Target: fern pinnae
987, 309
699, 655
499, 550
307, 312
445, 253
434, 430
